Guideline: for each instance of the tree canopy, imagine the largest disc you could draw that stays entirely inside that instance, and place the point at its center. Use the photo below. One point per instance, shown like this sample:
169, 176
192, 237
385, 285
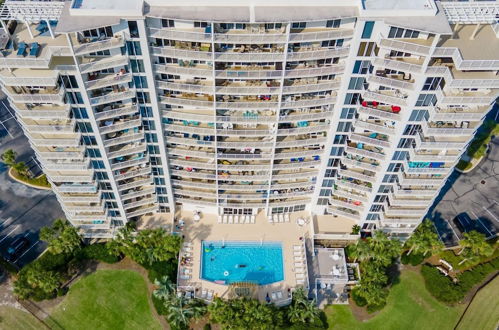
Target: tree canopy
424, 240
61, 237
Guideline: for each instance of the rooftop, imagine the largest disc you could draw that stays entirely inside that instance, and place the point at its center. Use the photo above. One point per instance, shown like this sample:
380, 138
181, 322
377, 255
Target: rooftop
484, 45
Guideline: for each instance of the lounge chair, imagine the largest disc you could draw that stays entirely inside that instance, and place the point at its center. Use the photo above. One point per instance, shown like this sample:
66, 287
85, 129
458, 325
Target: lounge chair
299, 270
298, 264
281, 217
35, 47
299, 276
300, 281
219, 220
253, 218
270, 219
21, 49
185, 277
297, 247
236, 219
231, 219
298, 259
286, 217
279, 294
274, 296
209, 296
203, 293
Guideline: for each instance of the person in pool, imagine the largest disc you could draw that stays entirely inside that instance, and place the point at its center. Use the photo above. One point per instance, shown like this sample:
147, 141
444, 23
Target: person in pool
241, 266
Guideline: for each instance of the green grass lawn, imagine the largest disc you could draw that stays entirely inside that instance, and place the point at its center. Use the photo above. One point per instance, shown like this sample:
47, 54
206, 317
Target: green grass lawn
106, 299
483, 312
13, 318
410, 306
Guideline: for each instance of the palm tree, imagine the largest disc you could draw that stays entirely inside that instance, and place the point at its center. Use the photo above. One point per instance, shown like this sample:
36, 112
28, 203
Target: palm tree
425, 239
21, 168
384, 249
476, 244
301, 309
179, 311
9, 157
165, 288
360, 251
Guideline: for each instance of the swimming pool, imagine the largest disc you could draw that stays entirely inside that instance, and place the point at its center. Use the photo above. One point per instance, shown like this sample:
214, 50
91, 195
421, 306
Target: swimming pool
231, 262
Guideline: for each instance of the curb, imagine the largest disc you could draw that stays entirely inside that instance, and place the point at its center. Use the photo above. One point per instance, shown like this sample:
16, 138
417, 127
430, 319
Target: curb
476, 163
25, 183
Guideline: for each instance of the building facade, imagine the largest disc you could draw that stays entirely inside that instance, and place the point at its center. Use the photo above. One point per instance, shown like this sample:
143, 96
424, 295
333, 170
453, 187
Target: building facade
355, 109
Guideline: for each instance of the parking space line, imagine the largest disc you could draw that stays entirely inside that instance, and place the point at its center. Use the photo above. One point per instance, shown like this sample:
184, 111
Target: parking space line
480, 221
492, 214
10, 232
26, 251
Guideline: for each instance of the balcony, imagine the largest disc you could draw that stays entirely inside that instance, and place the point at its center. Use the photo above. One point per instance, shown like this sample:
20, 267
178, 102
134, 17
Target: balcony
131, 173
123, 94
349, 195
372, 139
191, 86
316, 53
398, 191
386, 96
56, 154
344, 213
377, 126
307, 71
427, 156
382, 111
390, 82
109, 112
404, 65
126, 150
45, 142
413, 213
409, 202
408, 45
421, 181
317, 86
42, 111
114, 139
111, 126
364, 176
290, 102
104, 80
200, 71
136, 182
186, 53
187, 102
430, 143
142, 211
349, 183
250, 56
412, 167
76, 188
28, 95
177, 34
89, 65
138, 193
373, 166
248, 89
446, 129
83, 46
140, 202
87, 178
50, 127
81, 198
344, 203
67, 166
29, 78
136, 160
366, 152
308, 35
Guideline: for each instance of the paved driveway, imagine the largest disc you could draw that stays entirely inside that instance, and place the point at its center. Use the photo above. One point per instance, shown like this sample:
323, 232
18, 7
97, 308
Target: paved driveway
476, 194
23, 210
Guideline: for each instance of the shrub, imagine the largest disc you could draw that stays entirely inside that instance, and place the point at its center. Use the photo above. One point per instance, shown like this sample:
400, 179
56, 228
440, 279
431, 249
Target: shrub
359, 300
444, 289
207, 326
99, 252
159, 305
413, 259
158, 270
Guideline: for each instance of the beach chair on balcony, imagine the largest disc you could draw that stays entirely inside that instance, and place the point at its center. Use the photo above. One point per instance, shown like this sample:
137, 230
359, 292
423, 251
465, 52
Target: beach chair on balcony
236, 219
286, 217
21, 50
253, 218
281, 217
231, 219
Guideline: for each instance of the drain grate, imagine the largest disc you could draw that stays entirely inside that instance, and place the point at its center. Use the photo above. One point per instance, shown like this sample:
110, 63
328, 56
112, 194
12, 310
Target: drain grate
482, 182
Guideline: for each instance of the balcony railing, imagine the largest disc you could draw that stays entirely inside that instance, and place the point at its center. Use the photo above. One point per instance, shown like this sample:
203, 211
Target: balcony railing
458, 115
321, 35
404, 46
358, 164
374, 127
357, 175
318, 54
99, 45
365, 152
142, 202
173, 52
135, 184
308, 88
129, 163
107, 63
249, 57
461, 64
340, 203
191, 87
186, 102
444, 131
88, 178
385, 114
397, 65
76, 188
57, 97
131, 174
125, 138
120, 125
380, 97
108, 80
112, 97
345, 214
127, 151
139, 193
117, 112
180, 35
393, 83
56, 128
368, 140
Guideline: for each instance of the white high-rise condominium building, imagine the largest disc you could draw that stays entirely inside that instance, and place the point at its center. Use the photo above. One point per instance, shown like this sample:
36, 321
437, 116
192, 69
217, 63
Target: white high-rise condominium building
353, 111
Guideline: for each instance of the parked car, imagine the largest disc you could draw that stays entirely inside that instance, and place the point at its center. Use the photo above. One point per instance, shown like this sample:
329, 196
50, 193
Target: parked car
17, 247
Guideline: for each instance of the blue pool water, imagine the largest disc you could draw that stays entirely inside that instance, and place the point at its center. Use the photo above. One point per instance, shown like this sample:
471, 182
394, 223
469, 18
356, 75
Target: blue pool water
261, 263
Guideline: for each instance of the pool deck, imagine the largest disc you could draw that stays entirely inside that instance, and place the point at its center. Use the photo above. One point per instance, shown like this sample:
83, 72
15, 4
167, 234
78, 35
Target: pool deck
288, 233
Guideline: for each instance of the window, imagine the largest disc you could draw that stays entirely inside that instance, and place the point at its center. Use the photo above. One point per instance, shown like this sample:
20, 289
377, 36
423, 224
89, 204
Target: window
394, 167
133, 48
148, 125
101, 175
390, 178
425, 100
340, 139
330, 173
150, 137
84, 127
336, 151
371, 217
327, 183
146, 112
333, 162
273, 26
74, 98
94, 153
367, 49
152, 149
344, 126
419, 115
402, 33
134, 29
299, 25
140, 81
384, 189
200, 24
412, 129
167, 23
399, 155
356, 83
352, 98
379, 198
362, 67
89, 140
376, 208
69, 81
325, 192
97, 164
159, 181
434, 83
80, 113
106, 31
137, 65
406, 143
347, 113
368, 30
335, 23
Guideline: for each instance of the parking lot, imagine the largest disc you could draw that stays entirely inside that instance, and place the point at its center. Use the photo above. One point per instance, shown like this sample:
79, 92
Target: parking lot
23, 210
475, 194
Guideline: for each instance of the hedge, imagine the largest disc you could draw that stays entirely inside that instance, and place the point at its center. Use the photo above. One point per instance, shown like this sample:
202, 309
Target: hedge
445, 290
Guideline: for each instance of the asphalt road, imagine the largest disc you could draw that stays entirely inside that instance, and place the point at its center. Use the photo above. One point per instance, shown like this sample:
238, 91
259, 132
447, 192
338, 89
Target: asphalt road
475, 193
23, 210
